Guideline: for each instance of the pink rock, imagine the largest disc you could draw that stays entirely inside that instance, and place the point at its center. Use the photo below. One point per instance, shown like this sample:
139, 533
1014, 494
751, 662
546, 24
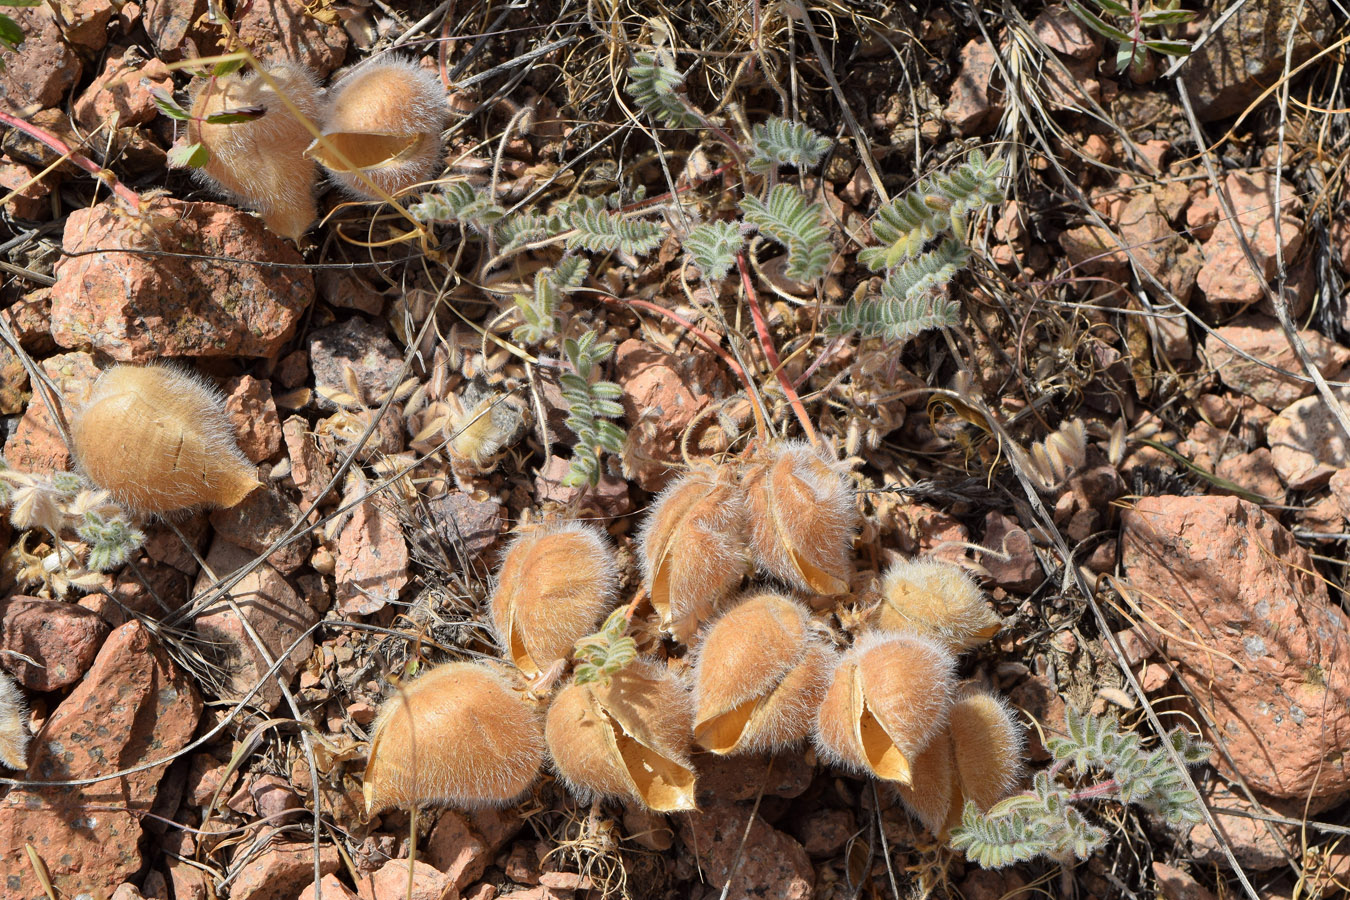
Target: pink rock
275, 800
971, 110
1256, 472
607, 499
1043, 707
1093, 251
454, 849
495, 826
44, 68
1163, 253
257, 428
281, 871
390, 882
189, 882
1258, 846
1340, 489
467, 524
1307, 443
133, 707
123, 89
276, 613
372, 559
332, 890
31, 202
1226, 276
1264, 649
62, 638
309, 469
1262, 338
1063, 32
662, 394
347, 290
173, 26
824, 832
260, 520
130, 305
1174, 884
773, 866
360, 347
36, 445
284, 32
1021, 571
729, 779
207, 777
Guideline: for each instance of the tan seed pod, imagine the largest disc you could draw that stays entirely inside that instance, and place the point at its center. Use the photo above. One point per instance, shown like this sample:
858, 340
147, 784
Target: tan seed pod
158, 440
938, 599
555, 585
385, 116
932, 794
987, 748
887, 701
802, 518
13, 728
759, 677
459, 733
628, 739
693, 549
261, 163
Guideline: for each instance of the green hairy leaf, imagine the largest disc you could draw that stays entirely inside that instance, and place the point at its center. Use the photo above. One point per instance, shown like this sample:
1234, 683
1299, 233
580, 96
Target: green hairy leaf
602, 231
906, 306
654, 84
790, 220
111, 541
169, 106
713, 247
589, 402
188, 156
539, 310
781, 142
459, 204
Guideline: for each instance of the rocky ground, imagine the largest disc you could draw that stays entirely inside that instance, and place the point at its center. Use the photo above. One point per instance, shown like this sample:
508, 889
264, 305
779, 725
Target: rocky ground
1186, 559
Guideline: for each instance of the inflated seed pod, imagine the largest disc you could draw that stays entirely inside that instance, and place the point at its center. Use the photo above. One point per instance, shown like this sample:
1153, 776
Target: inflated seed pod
987, 749
628, 739
938, 599
759, 677
555, 585
693, 548
931, 796
13, 728
802, 518
460, 733
261, 163
385, 116
158, 440
887, 701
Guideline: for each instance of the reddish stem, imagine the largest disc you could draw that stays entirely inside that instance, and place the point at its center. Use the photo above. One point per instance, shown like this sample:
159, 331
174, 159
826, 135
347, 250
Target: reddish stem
79, 159
1097, 790
770, 354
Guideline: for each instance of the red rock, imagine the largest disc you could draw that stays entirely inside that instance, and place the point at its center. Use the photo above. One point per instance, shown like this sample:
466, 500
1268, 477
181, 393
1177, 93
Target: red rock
189, 882
824, 832
133, 707
1254, 471
390, 882
662, 393
31, 203
36, 444
358, 345
734, 778
1021, 571
993, 884
30, 318
130, 306
13, 382
274, 800
123, 89
1093, 251
257, 428
261, 519
173, 27
971, 110
1037, 699
1258, 846
454, 849
606, 500
1307, 443
276, 613
1064, 32
1264, 649
1227, 276
1174, 884
466, 524
332, 889
769, 865
43, 70
1163, 253
61, 637
309, 469
372, 559
284, 32
207, 776
280, 871
1261, 337
347, 290
495, 826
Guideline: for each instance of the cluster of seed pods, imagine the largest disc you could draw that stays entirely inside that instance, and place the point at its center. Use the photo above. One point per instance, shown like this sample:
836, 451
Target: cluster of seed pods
760, 670
381, 123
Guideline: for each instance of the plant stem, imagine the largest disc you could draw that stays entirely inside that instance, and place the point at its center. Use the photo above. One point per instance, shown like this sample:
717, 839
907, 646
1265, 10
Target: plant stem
79, 159
1097, 790
770, 354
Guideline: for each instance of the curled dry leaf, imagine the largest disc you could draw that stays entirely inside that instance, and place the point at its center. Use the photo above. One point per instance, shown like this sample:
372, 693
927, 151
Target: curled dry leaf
555, 585
460, 734
13, 728
261, 163
887, 701
626, 739
938, 599
158, 440
385, 117
759, 677
693, 549
802, 518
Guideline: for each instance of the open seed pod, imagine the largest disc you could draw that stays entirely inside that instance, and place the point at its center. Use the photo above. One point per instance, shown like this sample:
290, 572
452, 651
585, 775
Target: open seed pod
459, 733
261, 162
628, 739
158, 440
802, 518
693, 549
887, 701
759, 677
555, 585
385, 117
938, 599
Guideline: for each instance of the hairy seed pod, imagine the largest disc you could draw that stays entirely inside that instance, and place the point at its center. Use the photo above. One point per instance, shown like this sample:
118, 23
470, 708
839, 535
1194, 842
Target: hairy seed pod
13, 728
887, 700
931, 797
987, 748
261, 163
556, 584
938, 599
693, 549
460, 734
385, 116
627, 739
158, 440
802, 518
759, 677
